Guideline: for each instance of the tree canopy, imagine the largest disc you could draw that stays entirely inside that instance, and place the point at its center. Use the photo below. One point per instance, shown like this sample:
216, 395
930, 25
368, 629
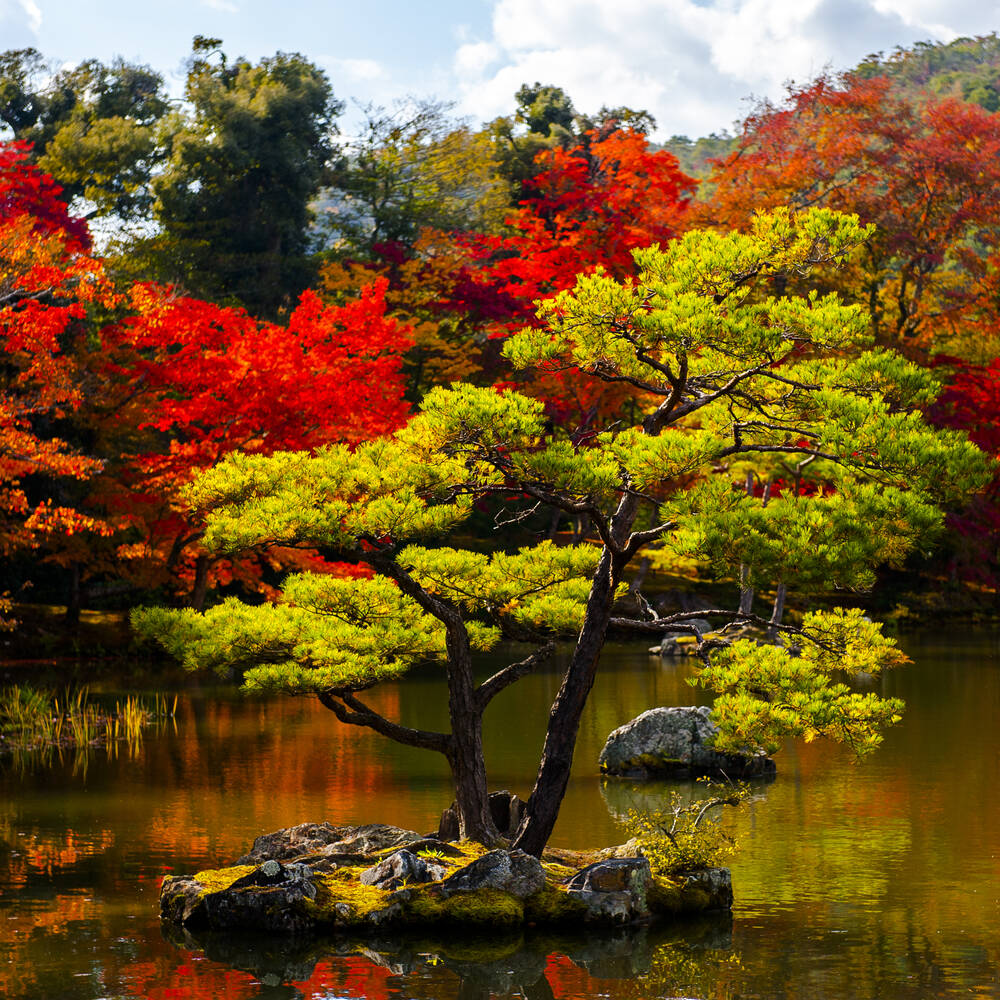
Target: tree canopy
727, 375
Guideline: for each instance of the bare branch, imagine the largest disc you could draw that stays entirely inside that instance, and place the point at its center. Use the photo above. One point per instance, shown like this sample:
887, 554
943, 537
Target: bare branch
492, 686
352, 711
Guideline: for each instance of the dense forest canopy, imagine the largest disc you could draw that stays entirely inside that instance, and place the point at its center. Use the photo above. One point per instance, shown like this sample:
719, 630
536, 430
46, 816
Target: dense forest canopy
696, 366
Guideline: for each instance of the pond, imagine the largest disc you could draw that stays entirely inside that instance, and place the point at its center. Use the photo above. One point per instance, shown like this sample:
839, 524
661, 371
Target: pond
879, 879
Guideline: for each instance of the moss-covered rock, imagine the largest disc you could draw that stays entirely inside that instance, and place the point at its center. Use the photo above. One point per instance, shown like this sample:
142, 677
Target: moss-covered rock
480, 889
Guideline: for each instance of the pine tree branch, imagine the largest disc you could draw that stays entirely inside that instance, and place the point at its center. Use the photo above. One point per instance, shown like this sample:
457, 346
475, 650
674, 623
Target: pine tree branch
502, 679
351, 710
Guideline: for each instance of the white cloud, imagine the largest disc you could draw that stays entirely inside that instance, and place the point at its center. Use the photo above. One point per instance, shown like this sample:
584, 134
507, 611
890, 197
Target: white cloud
689, 62
33, 13
20, 22
354, 69
224, 6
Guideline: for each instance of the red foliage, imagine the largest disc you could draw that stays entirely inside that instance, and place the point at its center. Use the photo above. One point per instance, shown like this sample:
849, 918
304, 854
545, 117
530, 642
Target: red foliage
46, 286
926, 173
971, 403
209, 380
588, 207
26, 190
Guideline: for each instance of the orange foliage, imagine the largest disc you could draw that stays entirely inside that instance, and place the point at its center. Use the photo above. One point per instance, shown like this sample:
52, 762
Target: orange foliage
927, 174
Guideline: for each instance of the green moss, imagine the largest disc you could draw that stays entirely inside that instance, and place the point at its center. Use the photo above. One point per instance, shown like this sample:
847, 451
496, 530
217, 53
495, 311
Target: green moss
553, 905
484, 908
338, 890
218, 879
559, 871
480, 909
665, 897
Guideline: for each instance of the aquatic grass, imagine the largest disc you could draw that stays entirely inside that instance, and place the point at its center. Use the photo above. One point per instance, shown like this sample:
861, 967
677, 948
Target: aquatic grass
34, 723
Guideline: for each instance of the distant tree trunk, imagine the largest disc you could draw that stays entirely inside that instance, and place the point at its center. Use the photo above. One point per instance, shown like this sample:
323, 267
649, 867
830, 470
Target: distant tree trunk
746, 591
200, 589
73, 599
637, 581
554, 524
778, 613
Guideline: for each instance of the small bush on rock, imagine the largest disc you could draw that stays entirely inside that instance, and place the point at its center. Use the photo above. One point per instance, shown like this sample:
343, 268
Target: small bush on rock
685, 836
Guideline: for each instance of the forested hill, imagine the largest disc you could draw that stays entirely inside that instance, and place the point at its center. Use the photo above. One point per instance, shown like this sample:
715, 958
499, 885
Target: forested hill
967, 68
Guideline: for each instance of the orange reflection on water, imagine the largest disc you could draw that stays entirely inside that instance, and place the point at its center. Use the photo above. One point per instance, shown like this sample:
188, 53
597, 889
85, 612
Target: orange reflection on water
195, 978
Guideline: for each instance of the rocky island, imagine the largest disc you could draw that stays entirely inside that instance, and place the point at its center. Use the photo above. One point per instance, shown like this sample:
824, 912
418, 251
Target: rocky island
322, 878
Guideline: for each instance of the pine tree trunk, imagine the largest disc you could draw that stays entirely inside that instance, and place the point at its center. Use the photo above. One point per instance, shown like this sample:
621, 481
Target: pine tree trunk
200, 589
564, 719
467, 761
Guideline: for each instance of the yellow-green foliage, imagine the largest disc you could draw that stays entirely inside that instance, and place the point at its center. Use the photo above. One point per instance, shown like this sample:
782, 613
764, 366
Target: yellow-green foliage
728, 384
685, 836
768, 693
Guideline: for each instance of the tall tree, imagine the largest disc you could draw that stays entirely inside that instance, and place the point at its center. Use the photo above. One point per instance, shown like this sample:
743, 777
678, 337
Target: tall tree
48, 285
411, 167
92, 128
242, 168
545, 120
185, 382
925, 173
728, 375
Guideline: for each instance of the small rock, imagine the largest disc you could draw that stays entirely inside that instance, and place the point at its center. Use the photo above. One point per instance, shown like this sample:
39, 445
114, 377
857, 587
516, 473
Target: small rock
400, 867
614, 890
292, 842
717, 883
613, 875
514, 872
326, 840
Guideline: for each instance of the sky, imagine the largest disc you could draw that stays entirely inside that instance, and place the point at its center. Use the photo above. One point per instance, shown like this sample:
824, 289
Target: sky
694, 64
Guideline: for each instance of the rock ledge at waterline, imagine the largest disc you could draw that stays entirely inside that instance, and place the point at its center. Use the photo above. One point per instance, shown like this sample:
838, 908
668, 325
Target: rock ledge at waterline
675, 743
317, 877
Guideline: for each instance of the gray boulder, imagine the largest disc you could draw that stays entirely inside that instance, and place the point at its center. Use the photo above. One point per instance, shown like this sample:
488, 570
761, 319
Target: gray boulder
322, 838
675, 742
614, 891
513, 872
267, 898
292, 842
402, 867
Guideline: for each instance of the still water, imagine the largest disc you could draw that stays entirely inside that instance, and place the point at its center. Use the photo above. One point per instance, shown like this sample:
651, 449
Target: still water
879, 880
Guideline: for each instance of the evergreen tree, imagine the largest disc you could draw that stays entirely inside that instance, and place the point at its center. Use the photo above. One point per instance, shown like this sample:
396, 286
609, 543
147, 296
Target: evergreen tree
241, 170
726, 377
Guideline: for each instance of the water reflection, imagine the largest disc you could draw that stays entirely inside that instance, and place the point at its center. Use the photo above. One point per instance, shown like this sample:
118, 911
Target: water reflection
880, 880
650, 962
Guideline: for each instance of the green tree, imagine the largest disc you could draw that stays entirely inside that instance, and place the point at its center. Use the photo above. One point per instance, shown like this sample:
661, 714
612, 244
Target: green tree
546, 119
243, 164
727, 375
410, 168
93, 127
